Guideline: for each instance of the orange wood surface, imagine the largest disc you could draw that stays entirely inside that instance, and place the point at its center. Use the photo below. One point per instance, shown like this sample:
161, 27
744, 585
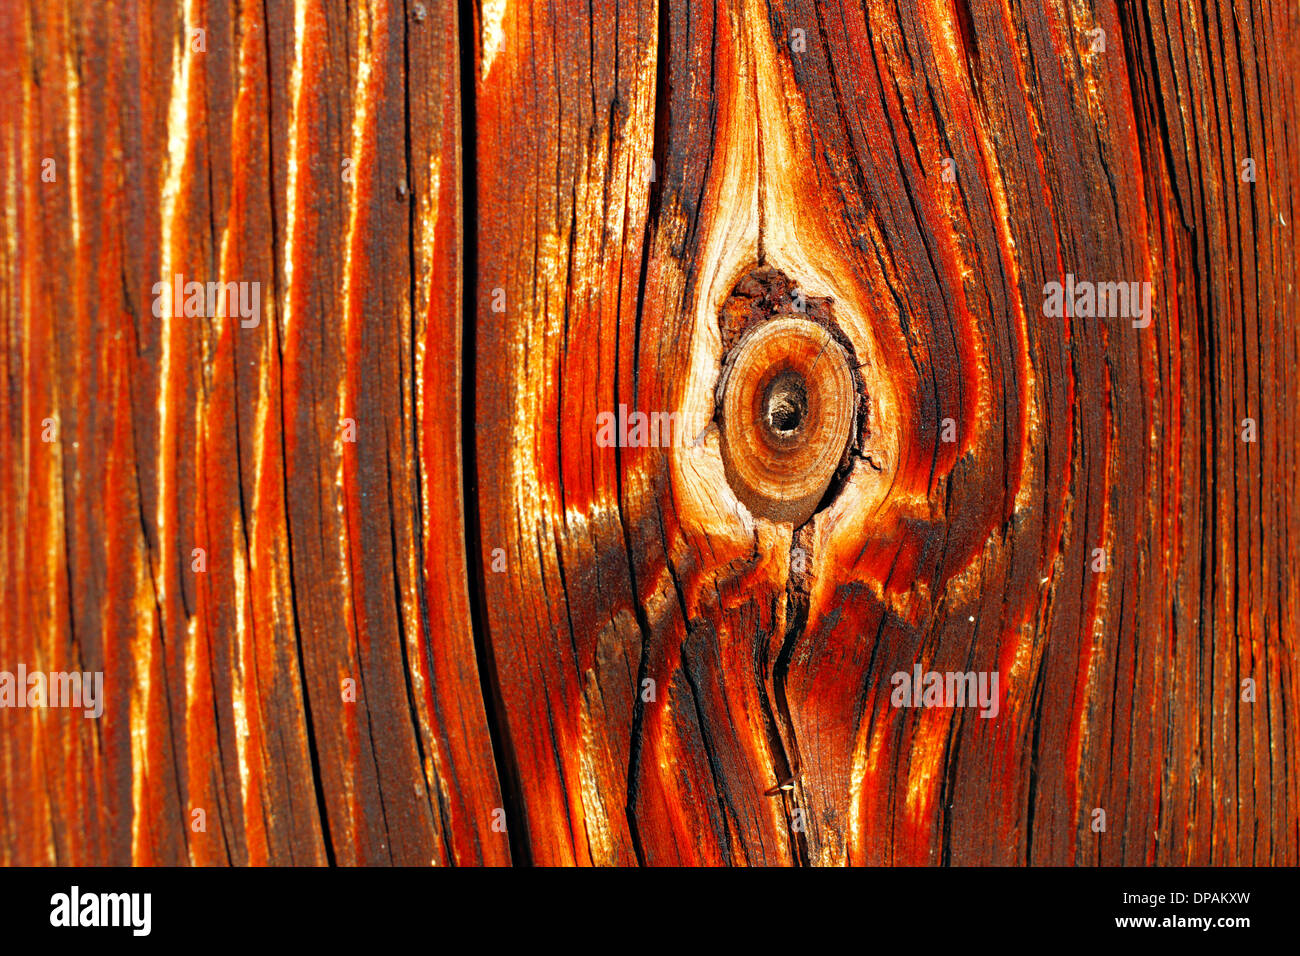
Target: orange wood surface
475, 230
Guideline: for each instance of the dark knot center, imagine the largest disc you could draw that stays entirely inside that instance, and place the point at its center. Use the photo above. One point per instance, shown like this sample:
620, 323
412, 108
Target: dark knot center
786, 403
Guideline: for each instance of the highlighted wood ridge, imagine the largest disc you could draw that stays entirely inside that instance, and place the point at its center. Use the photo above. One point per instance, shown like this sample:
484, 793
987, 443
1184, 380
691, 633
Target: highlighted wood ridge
784, 432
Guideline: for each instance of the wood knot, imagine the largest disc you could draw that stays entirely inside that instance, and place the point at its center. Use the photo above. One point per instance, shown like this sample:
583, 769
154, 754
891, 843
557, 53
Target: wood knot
787, 399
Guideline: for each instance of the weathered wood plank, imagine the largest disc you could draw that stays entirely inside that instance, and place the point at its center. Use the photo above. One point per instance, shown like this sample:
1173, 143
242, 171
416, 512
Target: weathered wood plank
1008, 453
565, 113
312, 151
674, 670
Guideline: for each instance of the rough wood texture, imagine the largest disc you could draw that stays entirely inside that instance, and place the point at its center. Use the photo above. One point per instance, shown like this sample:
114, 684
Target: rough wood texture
326, 559
1120, 689
600, 638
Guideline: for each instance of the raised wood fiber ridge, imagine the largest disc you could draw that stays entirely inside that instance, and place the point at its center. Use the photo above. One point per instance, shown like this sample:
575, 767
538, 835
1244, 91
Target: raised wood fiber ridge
393, 569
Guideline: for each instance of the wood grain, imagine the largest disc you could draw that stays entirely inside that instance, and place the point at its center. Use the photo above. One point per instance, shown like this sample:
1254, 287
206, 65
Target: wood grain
326, 559
1121, 688
480, 231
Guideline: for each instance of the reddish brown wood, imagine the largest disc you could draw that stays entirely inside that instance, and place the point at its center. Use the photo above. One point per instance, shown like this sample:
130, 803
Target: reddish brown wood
326, 559
1121, 689
572, 652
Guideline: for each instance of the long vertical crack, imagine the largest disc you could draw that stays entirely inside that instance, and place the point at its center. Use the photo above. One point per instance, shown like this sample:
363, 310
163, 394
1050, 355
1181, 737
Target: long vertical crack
503, 752
797, 585
658, 154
